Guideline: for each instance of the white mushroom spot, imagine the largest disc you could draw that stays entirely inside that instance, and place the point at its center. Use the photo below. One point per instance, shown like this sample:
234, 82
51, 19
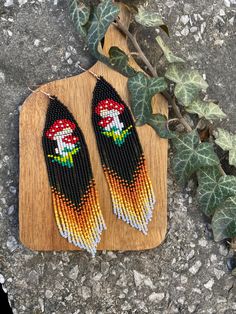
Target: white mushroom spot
57, 126
60, 121
67, 124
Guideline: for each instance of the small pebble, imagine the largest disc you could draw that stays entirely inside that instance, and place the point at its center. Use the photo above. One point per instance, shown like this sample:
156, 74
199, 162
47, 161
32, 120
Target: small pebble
12, 189
36, 42
209, 284
2, 77
12, 243
185, 31
195, 268
156, 297
48, 294
10, 210
73, 274
86, 292
227, 3
8, 3
2, 279
184, 19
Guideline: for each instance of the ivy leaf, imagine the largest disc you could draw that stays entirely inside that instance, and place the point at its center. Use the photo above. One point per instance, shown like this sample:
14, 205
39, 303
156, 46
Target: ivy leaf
171, 58
214, 189
224, 139
224, 220
191, 155
142, 89
159, 123
80, 15
120, 60
101, 17
189, 83
232, 156
227, 141
148, 18
186, 92
208, 110
175, 73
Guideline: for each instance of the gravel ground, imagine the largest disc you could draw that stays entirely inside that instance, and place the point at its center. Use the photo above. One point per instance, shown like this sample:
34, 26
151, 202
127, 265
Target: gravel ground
187, 274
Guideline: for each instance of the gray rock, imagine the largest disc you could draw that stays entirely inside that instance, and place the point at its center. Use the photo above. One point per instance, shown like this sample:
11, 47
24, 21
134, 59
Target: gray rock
141, 279
33, 277
156, 297
48, 294
86, 292
209, 284
10, 210
12, 243
195, 268
2, 279
73, 274
8, 3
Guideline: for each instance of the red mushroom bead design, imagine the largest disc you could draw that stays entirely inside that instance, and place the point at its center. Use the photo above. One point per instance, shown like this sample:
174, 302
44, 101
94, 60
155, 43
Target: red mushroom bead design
62, 132
110, 110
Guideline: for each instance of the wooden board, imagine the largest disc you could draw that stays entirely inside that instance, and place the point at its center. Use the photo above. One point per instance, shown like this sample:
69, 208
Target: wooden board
38, 230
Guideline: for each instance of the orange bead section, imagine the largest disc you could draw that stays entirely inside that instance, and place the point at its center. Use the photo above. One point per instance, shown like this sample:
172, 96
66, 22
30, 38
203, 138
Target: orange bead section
133, 201
81, 225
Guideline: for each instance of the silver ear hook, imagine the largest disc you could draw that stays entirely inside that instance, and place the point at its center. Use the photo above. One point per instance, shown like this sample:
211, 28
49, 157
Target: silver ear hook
41, 91
91, 72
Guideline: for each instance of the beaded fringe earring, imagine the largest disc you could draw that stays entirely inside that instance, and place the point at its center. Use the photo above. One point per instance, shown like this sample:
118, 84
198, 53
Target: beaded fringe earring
122, 157
75, 201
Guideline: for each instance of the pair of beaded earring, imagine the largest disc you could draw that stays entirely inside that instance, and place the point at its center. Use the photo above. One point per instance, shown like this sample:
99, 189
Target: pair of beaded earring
74, 195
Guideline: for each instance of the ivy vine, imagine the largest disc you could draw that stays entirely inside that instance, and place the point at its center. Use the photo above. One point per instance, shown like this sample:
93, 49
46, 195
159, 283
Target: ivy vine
183, 87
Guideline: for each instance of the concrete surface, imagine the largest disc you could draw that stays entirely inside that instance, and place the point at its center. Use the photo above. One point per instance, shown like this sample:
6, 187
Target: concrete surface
187, 274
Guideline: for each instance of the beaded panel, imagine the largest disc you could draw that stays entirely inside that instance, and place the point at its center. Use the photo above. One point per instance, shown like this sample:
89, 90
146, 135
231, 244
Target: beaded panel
122, 157
75, 201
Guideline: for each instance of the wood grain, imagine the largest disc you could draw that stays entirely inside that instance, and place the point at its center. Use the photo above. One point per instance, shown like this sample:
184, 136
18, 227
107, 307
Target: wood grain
38, 230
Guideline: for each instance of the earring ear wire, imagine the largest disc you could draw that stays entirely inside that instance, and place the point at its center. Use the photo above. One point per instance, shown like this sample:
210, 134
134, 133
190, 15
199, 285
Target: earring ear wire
41, 91
91, 72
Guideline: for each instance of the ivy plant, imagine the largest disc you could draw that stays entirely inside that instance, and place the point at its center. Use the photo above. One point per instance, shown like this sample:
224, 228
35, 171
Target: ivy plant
195, 155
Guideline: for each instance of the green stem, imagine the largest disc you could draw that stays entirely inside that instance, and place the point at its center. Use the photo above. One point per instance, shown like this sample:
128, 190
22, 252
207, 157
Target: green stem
136, 45
172, 102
